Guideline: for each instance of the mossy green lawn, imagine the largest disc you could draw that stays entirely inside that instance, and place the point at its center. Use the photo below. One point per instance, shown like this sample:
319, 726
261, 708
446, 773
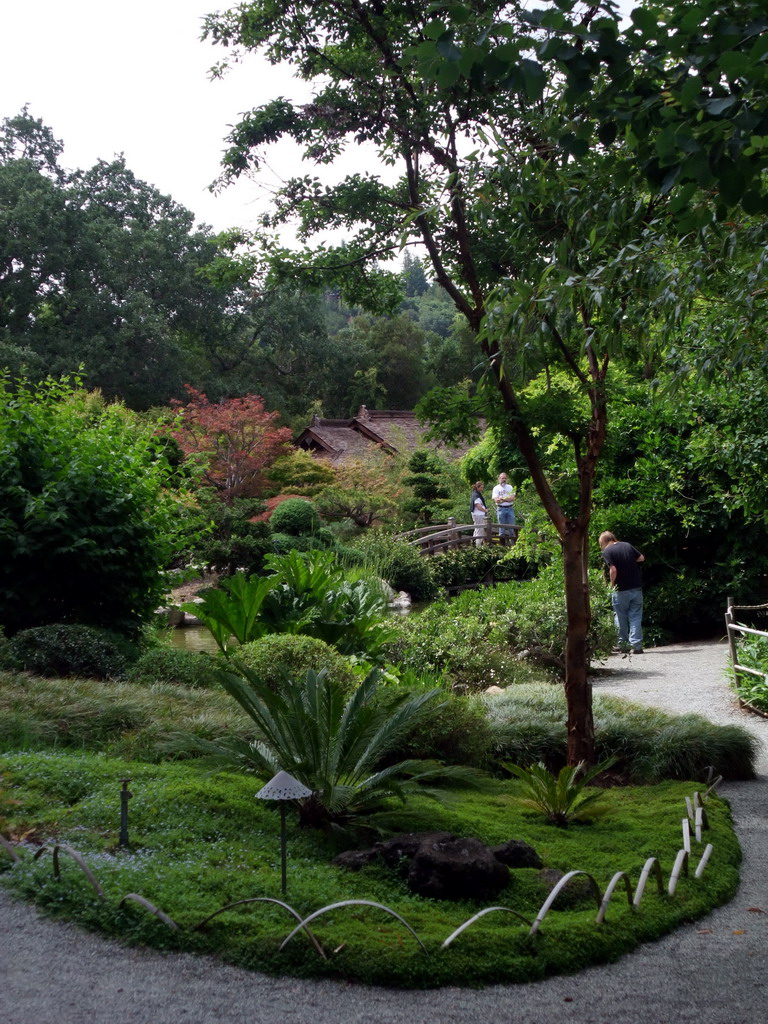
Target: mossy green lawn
201, 841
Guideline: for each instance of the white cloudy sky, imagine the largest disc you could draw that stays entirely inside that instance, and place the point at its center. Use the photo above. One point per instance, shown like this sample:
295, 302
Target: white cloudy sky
112, 77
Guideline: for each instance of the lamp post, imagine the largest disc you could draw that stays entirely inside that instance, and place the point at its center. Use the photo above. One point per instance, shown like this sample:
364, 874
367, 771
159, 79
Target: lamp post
283, 787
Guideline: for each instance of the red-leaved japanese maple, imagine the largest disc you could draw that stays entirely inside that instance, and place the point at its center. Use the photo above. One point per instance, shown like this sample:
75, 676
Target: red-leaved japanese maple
235, 441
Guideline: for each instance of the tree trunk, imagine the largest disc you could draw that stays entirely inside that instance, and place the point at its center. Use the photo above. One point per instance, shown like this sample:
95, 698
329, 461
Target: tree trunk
578, 689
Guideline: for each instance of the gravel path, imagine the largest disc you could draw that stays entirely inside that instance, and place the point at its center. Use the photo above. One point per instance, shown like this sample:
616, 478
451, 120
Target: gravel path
714, 971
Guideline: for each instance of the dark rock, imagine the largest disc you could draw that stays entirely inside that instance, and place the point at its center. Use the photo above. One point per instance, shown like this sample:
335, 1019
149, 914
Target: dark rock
398, 851
578, 891
354, 860
456, 869
517, 854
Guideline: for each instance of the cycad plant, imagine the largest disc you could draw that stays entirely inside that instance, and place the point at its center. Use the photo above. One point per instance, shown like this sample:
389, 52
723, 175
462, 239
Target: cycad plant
562, 798
333, 743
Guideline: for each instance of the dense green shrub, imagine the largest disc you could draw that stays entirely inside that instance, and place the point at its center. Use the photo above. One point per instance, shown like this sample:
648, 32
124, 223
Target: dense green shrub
70, 650
228, 538
472, 654
282, 543
469, 565
279, 655
400, 564
478, 636
303, 593
456, 732
172, 665
295, 516
86, 525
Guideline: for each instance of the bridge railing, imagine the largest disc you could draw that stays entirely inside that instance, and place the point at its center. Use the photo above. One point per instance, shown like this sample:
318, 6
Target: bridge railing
431, 540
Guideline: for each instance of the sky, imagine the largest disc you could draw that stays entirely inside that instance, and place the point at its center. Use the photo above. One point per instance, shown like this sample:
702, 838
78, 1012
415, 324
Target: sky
133, 78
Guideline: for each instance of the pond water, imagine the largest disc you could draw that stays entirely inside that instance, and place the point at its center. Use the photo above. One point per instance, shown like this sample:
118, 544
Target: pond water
193, 638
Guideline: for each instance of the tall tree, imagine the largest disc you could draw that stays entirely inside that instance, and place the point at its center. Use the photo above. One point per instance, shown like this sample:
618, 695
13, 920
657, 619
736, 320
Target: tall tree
98, 268
549, 260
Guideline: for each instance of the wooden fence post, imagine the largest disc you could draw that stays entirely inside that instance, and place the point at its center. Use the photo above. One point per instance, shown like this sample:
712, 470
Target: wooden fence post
729, 619
488, 529
452, 535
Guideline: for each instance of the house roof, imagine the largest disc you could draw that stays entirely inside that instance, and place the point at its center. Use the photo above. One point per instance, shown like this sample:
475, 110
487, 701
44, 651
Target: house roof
392, 430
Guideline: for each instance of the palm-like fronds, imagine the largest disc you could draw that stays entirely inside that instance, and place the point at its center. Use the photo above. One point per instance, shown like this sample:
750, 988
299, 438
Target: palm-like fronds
332, 743
563, 797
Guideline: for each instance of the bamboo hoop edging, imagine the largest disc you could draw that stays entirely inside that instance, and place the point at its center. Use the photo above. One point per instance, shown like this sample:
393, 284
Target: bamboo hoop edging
352, 903
135, 897
266, 899
60, 848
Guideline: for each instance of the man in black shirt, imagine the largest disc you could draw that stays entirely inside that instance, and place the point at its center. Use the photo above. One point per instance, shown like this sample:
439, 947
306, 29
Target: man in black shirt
627, 598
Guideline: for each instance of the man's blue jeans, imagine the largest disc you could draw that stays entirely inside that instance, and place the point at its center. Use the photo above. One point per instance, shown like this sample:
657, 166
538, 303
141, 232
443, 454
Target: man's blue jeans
506, 516
628, 616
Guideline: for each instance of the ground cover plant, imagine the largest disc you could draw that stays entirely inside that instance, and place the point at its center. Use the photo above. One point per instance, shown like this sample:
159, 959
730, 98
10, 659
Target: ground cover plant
202, 841
752, 652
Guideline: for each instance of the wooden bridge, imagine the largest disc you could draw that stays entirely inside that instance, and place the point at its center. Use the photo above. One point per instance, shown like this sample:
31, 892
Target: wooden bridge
431, 540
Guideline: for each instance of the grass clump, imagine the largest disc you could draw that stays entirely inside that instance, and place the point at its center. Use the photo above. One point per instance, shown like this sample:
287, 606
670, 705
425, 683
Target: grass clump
120, 719
647, 745
200, 841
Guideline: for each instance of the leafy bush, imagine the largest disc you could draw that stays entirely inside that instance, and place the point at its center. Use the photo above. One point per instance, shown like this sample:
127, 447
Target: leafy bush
305, 593
473, 654
231, 540
172, 665
296, 517
233, 609
70, 650
400, 564
311, 596
277, 656
457, 731
86, 524
478, 636
471, 565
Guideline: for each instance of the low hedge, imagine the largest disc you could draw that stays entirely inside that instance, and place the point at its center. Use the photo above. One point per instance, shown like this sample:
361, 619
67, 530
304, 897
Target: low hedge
68, 649
173, 665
